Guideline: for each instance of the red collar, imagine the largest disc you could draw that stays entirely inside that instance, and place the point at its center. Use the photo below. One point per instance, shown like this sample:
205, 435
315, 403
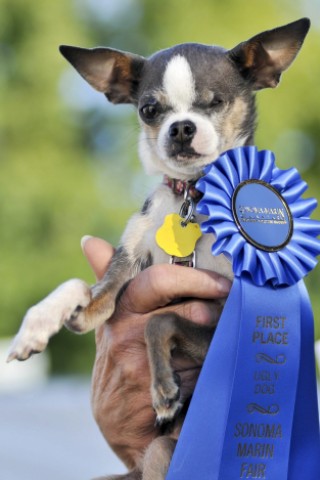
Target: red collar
179, 187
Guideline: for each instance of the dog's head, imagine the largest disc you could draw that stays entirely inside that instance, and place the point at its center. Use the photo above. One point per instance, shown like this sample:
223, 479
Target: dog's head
194, 101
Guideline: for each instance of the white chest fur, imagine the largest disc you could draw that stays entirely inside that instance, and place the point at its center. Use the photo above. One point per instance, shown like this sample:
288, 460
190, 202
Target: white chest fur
139, 236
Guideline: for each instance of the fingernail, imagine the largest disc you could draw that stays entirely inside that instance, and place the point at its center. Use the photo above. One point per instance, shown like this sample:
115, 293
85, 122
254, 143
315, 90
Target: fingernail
84, 240
224, 285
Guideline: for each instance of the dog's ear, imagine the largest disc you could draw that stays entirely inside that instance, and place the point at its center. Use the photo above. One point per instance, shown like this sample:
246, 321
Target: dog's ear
112, 72
264, 57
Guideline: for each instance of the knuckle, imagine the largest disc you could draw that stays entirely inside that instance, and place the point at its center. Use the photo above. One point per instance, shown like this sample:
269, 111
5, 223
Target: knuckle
157, 276
201, 312
198, 312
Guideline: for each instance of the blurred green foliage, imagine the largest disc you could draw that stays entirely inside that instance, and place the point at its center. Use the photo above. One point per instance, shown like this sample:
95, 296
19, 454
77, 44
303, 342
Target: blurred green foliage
68, 160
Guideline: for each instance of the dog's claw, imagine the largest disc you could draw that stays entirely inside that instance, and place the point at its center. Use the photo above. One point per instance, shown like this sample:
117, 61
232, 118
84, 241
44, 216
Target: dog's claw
165, 399
11, 356
20, 353
168, 402
162, 420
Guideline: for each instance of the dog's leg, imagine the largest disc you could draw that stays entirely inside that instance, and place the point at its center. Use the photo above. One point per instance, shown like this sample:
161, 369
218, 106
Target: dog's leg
165, 333
155, 462
47, 318
104, 294
157, 458
133, 475
75, 305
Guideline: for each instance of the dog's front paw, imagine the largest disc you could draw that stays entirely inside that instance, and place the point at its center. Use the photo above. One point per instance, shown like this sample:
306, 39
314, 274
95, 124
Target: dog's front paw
98, 311
47, 317
165, 398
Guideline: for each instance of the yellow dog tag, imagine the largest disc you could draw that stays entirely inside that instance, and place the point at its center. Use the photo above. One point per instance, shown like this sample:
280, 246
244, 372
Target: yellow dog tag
176, 239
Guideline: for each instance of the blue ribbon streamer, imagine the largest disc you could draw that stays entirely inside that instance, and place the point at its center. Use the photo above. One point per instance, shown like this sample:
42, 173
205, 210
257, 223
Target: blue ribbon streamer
254, 412
231, 432
305, 445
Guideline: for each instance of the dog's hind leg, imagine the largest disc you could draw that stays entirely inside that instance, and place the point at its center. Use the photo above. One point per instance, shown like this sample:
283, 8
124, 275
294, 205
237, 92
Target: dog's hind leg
133, 475
165, 333
155, 462
157, 458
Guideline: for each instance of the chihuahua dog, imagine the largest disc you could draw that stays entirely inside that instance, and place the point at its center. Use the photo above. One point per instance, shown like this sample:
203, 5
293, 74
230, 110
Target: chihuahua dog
194, 102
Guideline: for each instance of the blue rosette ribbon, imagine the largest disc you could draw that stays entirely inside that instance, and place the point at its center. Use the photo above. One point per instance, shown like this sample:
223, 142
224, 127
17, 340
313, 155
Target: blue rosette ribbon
254, 413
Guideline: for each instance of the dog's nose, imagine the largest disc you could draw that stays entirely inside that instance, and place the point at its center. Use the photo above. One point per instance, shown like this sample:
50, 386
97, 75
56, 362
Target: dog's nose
182, 131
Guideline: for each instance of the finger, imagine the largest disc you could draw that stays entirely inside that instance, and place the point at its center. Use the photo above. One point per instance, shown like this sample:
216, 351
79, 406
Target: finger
99, 254
205, 312
159, 285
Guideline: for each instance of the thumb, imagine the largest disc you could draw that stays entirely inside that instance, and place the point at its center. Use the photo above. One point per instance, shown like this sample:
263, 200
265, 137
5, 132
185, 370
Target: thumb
98, 253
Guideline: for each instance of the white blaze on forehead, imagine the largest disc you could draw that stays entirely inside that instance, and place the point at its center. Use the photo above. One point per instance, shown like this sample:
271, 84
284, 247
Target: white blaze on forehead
178, 83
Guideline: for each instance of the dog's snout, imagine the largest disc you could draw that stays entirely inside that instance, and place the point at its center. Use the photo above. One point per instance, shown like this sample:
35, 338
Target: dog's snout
182, 131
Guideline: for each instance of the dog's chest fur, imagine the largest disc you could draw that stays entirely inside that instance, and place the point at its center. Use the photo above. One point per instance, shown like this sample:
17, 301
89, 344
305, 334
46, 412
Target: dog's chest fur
139, 237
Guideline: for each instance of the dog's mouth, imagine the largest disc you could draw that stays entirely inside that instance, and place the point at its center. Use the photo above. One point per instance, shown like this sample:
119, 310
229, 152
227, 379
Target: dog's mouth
183, 154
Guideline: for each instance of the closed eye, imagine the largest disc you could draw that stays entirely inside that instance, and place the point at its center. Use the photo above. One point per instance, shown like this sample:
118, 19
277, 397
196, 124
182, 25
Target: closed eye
210, 103
216, 102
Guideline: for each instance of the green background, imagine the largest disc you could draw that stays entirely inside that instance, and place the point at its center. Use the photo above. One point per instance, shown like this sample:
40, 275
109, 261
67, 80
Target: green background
68, 159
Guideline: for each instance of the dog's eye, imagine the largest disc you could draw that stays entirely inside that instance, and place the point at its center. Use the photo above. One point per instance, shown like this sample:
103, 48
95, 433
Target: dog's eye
216, 102
150, 111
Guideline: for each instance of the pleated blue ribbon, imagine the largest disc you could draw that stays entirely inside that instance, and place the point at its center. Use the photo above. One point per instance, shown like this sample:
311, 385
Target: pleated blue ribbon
254, 412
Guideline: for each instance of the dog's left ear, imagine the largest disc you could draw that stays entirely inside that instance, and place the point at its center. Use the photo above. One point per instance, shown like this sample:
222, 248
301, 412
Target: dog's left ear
112, 72
264, 57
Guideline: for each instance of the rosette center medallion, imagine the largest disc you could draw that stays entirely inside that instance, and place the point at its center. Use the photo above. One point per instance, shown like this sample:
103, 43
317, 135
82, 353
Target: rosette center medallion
262, 215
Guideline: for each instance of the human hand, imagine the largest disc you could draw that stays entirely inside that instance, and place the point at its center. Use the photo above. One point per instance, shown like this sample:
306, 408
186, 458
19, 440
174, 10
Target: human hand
121, 380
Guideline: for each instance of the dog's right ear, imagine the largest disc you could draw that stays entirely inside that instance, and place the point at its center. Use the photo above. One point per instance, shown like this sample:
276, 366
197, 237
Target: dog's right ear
112, 72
